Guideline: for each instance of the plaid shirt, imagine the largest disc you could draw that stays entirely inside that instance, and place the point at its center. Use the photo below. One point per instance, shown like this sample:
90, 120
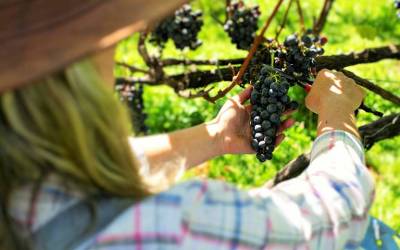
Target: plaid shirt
326, 207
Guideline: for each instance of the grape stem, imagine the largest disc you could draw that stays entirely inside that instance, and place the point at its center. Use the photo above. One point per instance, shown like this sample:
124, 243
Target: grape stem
238, 78
320, 23
283, 23
301, 17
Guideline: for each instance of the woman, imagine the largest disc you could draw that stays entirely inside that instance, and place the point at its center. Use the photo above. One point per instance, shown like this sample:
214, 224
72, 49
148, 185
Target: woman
71, 179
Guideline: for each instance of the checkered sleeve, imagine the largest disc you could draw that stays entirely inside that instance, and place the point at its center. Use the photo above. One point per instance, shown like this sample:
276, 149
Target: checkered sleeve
328, 204
324, 208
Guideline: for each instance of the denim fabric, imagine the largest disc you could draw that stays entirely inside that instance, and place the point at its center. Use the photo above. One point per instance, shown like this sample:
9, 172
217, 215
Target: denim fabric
379, 236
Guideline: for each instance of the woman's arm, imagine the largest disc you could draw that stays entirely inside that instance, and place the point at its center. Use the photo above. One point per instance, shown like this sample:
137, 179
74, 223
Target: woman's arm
324, 208
169, 155
334, 98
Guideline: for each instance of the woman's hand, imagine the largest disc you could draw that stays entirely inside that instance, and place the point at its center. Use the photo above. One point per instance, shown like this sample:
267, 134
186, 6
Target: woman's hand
333, 92
233, 122
335, 97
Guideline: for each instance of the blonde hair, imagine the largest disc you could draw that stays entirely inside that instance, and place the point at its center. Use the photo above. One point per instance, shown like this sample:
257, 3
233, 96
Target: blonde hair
72, 125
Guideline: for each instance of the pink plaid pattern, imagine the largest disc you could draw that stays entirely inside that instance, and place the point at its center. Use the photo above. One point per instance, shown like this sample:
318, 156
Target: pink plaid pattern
326, 207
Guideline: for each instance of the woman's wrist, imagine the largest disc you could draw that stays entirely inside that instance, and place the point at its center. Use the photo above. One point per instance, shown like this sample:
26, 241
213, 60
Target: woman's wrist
329, 120
215, 138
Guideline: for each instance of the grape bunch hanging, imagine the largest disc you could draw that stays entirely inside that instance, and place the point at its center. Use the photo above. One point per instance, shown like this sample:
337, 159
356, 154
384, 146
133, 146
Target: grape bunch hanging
397, 6
241, 25
269, 100
132, 95
182, 28
292, 63
297, 56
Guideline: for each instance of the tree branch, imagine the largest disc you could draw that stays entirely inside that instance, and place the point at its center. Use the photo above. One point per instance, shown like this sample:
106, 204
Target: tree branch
202, 78
131, 68
222, 62
283, 23
384, 128
238, 78
372, 87
366, 56
256, 43
319, 25
301, 17
143, 50
329, 62
145, 80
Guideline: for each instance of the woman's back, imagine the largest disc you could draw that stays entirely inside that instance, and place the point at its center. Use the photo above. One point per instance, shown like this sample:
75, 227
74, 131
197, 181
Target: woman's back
215, 215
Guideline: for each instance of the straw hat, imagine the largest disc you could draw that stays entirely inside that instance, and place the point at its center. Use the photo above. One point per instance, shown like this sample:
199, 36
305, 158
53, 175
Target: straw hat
38, 37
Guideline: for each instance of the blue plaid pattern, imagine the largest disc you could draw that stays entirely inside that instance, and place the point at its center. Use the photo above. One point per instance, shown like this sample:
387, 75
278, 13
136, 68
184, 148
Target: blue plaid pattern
325, 207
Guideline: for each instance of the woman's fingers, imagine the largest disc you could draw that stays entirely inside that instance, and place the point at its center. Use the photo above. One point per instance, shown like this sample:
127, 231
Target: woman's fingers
243, 96
289, 112
285, 125
248, 108
279, 139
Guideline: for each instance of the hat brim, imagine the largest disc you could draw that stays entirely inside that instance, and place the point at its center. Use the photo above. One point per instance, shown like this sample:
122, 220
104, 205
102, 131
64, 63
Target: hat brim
36, 41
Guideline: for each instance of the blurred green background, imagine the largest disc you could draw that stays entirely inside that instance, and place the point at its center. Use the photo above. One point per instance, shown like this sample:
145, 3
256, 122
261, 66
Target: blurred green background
351, 26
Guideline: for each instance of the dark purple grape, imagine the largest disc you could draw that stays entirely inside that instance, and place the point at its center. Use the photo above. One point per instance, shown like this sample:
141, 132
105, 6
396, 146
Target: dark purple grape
261, 157
258, 128
270, 132
274, 118
264, 100
258, 136
264, 115
291, 41
272, 93
268, 140
293, 105
271, 108
254, 144
257, 120
272, 100
266, 124
132, 95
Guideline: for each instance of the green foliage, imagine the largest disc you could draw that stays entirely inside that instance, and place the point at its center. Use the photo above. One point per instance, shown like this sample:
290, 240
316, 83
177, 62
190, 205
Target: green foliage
352, 26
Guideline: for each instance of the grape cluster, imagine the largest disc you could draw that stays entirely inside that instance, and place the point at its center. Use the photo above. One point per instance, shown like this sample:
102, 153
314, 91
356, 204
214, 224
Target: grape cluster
242, 25
132, 95
397, 6
182, 28
269, 100
297, 56
161, 33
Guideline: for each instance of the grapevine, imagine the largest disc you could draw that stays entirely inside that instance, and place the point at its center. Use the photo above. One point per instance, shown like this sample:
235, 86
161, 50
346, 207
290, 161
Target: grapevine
271, 67
132, 95
295, 60
182, 28
269, 100
242, 24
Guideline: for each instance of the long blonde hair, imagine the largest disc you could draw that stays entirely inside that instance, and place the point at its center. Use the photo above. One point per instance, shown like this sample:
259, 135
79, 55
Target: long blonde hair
69, 124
